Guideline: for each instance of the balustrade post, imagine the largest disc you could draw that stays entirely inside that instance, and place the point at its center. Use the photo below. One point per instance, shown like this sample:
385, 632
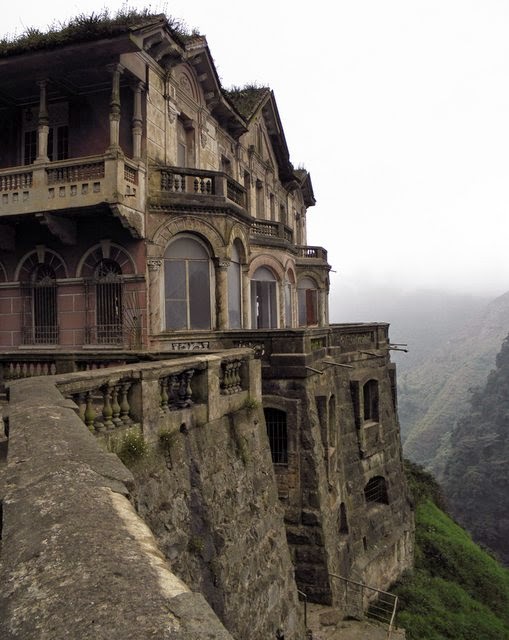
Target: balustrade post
164, 394
81, 401
124, 403
185, 392
107, 411
90, 412
115, 406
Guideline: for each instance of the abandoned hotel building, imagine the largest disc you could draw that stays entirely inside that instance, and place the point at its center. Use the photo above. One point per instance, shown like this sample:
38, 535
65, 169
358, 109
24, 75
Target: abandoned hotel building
155, 274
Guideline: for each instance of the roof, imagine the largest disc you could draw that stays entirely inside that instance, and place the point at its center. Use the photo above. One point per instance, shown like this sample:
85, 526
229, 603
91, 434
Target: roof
86, 28
247, 99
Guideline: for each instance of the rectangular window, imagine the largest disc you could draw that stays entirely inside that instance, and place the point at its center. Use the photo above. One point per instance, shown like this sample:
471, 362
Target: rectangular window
30, 147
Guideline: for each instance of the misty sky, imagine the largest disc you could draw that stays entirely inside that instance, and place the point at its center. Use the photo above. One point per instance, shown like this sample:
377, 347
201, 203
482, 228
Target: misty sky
399, 110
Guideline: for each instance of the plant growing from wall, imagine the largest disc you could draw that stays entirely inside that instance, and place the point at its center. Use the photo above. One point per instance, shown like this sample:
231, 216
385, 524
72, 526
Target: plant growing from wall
130, 447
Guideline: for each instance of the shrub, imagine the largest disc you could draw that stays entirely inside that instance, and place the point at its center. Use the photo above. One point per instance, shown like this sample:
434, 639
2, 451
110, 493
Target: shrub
131, 446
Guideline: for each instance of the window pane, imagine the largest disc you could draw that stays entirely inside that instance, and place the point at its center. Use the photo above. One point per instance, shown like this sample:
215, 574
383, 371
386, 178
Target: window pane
175, 279
301, 297
176, 314
199, 294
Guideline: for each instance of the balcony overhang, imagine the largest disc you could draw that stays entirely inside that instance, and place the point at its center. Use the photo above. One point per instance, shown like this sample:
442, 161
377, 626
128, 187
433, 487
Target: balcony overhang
58, 193
73, 69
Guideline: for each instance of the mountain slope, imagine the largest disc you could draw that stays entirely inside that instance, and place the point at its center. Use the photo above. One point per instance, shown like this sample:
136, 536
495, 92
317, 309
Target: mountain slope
476, 479
457, 591
434, 393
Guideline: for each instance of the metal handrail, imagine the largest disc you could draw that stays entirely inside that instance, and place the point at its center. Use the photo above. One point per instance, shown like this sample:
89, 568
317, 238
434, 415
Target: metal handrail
390, 622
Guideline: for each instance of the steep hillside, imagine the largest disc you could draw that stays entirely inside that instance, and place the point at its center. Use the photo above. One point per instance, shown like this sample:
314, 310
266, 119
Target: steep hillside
457, 591
434, 393
476, 480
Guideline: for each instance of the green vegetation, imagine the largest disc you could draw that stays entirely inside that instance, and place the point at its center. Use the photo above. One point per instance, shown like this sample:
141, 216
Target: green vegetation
130, 446
166, 440
246, 99
457, 590
251, 404
84, 28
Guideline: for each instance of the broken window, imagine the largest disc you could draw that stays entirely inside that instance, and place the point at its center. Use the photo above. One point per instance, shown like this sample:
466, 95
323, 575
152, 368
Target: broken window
370, 393
263, 299
187, 285
307, 295
277, 432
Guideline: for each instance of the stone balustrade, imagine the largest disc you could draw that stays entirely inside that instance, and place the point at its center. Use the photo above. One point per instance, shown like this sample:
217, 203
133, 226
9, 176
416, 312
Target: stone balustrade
185, 182
154, 395
70, 532
311, 253
76, 182
270, 229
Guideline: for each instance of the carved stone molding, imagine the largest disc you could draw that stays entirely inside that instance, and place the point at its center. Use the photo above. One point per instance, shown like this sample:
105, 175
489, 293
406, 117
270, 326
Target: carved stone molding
190, 346
173, 112
154, 264
222, 263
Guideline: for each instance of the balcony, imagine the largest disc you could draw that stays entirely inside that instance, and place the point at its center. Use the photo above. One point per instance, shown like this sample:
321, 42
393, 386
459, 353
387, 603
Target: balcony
179, 188
311, 255
269, 232
77, 182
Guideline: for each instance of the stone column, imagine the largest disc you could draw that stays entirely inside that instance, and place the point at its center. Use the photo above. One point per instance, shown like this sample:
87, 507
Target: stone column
137, 124
222, 265
115, 70
155, 287
43, 125
246, 298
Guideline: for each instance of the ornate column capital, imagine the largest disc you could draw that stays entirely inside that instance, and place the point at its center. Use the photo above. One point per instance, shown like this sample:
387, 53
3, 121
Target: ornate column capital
154, 264
222, 263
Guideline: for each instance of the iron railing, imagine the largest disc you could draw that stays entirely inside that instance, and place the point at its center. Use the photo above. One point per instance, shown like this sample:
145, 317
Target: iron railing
381, 605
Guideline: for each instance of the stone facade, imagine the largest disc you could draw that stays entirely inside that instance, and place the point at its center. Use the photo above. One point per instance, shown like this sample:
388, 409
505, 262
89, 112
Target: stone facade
148, 214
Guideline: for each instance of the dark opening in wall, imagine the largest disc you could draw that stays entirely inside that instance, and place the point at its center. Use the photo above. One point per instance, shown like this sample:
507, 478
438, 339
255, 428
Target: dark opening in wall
277, 432
343, 522
376, 490
370, 393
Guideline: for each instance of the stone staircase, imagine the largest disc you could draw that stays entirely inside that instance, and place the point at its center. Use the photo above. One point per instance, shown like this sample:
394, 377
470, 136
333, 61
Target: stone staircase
328, 623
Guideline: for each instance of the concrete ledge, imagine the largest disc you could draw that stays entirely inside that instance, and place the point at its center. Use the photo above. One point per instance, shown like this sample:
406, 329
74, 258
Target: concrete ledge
76, 560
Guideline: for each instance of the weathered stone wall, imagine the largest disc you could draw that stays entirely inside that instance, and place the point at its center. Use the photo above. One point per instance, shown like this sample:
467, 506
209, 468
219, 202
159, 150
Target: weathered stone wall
214, 510
333, 452
206, 490
76, 561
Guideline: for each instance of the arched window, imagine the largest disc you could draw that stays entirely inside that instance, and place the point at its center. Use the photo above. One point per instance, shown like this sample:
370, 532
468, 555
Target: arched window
234, 289
263, 299
370, 393
109, 302
307, 294
277, 432
44, 326
376, 490
187, 285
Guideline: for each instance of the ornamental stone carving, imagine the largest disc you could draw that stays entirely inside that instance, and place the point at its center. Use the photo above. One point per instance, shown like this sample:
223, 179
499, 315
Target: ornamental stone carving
154, 264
